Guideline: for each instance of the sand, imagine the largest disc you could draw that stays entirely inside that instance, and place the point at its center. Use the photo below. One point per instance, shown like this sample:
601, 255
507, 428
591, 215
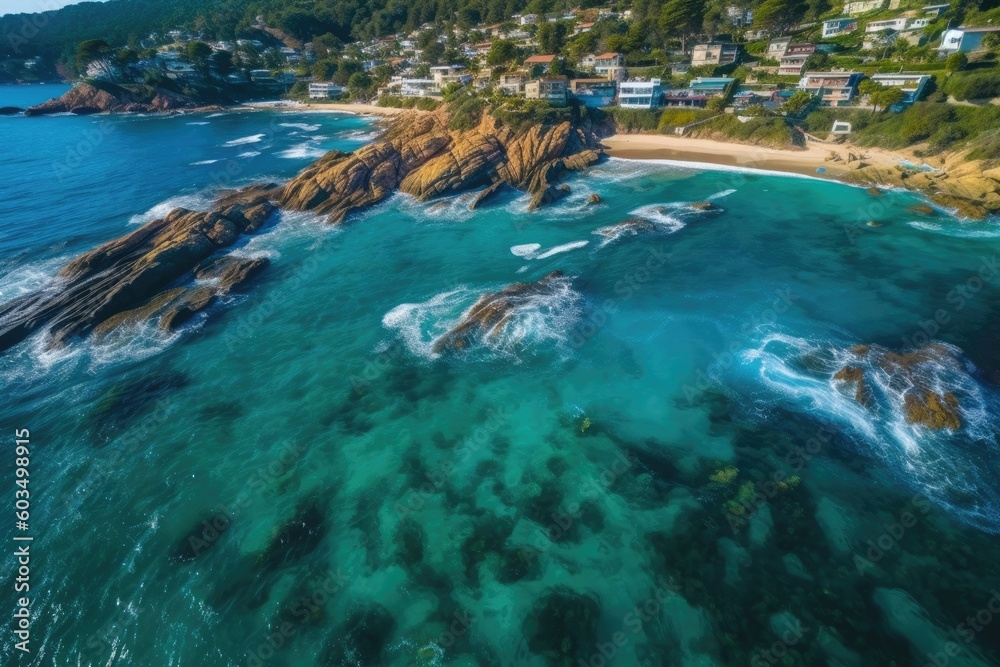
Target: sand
807, 161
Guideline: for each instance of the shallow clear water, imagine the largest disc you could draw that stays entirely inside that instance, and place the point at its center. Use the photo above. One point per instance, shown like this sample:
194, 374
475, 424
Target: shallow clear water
556, 495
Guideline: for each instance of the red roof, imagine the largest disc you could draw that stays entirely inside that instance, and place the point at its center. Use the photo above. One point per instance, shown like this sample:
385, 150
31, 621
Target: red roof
544, 60
607, 56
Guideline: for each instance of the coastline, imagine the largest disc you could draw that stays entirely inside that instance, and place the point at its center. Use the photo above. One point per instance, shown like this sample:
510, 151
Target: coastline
333, 107
804, 162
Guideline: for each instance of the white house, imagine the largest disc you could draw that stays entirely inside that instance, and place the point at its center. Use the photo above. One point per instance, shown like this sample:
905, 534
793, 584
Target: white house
963, 40
896, 24
640, 94
841, 26
912, 85
325, 91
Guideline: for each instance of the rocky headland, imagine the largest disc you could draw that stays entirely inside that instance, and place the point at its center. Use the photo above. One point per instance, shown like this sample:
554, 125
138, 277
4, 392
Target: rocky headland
970, 188
86, 99
177, 266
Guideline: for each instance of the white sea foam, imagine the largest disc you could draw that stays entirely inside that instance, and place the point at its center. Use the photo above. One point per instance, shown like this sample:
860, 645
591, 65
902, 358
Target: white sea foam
252, 139
664, 215
305, 151
199, 122
305, 127
360, 135
965, 230
204, 162
527, 250
194, 202
531, 250
248, 154
720, 195
543, 317
941, 464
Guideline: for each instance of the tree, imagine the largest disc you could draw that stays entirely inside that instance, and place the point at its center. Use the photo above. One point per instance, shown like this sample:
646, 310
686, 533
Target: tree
797, 103
886, 98
200, 54
556, 67
300, 24
324, 70
552, 36
359, 81
502, 52
95, 52
683, 18
869, 87
956, 62
778, 16
222, 61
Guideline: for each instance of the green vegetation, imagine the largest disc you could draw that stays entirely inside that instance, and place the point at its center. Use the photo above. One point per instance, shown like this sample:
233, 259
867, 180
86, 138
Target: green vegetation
941, 126
422, 103
973, 84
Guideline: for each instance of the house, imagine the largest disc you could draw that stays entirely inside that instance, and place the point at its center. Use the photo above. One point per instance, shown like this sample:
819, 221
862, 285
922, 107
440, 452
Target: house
545, 60
793, 63
896, 24
710, 85
936, 10
855, 8
419, 88
685, 99
963, 40
261, 76
594, 92
512, 84
739, 16
841, 26
442, 75
912, 85
715, 54
528, 19
325, 91
834, 89
606, 62
589, 61
641, 94
776, 47
583, 27
549, 88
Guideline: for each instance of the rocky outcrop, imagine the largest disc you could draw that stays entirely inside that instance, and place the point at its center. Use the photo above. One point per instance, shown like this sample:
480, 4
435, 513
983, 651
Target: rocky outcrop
492, 312
10, 111
913, 373
149, 273
86, 99
421, 156
971, 188
631, 227
134, 276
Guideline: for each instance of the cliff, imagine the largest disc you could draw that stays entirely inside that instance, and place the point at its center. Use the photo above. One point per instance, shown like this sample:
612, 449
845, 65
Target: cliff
152, 271
87, 98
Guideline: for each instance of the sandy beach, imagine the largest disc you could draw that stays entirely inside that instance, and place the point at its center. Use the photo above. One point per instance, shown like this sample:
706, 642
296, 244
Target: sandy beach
807, 161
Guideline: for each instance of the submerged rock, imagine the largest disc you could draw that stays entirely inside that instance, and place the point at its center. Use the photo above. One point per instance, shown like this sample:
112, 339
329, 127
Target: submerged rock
10, 111
562, 626
922, 209
632, 227
362, 639
704, 206
924, 403
492, 312
594, 199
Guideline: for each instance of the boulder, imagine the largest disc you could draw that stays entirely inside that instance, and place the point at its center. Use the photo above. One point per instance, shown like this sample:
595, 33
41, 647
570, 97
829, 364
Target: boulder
491, 313
594, 199
632, 227
922, 209
936, 411
704, 206
10, 111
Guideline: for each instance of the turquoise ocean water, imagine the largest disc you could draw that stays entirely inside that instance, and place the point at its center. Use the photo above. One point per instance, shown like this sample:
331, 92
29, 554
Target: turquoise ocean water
298, 479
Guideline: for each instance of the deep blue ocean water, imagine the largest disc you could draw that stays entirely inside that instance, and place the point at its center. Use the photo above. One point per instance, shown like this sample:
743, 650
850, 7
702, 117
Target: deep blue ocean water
563, 493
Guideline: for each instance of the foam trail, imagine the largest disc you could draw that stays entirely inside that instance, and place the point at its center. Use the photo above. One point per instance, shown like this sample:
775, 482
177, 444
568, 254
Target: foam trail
252, 139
